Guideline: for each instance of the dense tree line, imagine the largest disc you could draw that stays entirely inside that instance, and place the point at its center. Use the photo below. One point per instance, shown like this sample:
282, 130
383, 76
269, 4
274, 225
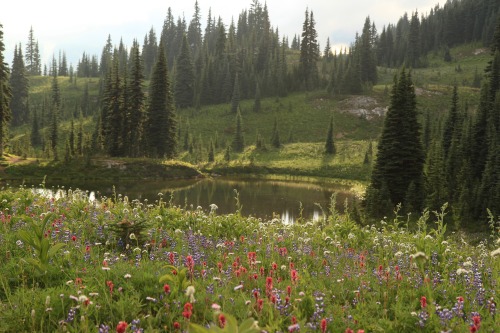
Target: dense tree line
456, 22
462, 166
408, 42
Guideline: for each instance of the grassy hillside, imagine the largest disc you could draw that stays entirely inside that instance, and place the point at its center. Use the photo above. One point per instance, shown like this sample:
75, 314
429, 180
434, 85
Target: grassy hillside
302, 119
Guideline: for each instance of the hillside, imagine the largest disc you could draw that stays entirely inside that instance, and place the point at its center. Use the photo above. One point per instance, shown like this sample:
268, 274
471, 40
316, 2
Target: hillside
302, 119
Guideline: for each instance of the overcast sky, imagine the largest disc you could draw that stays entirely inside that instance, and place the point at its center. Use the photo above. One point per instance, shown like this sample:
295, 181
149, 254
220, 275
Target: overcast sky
83, 26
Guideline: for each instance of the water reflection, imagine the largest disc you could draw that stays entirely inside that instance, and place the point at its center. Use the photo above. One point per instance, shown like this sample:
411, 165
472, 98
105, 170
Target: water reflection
266, 199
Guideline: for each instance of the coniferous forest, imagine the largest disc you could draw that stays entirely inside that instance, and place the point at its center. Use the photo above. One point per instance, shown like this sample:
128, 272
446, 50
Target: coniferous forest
143, 100
404, 122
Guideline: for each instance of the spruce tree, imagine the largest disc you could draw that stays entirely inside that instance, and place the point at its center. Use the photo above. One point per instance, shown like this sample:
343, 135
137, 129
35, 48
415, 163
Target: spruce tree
113, 110
71, 139
136, 106
450, 124
238, 141
211, 152
309, 52
275, 137
54, 131
184, 76
161, 134
400, 156
330, 144
367, 61
20, 87
5, 94
79, 139
33, 66
368, 154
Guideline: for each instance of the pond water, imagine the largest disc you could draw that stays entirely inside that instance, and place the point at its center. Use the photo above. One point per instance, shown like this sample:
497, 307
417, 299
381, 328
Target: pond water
259, 198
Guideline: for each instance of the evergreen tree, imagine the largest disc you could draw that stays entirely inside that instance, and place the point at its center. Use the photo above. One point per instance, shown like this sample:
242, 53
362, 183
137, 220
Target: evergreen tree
63, 65
368, 154
275, 137
136, 104
327, 54
368, 64
184, 76
106, 57
238, 141
56, 93
194, 30
329, 144
309, 52
435, 177
32, 55
414, 41
113, 110
79, 139
5, 94
211, 153
71, 139
451, 122
54, 131
20, 87
227, 154
400, 157
161, 134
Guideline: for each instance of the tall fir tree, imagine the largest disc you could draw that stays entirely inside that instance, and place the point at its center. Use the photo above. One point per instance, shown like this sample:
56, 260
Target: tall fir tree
33, 66
330, 144
451, 123
238, 140
136, 106
113, 110
367, 60
275, 136
184, 76
5, 95
400, 157
161, 134
309, 52
20, 88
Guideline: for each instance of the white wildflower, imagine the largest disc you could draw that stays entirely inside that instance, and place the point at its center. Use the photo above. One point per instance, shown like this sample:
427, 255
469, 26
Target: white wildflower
82, 298
461, 271
190, 293
495, 252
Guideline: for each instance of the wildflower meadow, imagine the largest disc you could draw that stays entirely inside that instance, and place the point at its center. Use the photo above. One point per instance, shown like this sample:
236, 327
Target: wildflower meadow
71, 264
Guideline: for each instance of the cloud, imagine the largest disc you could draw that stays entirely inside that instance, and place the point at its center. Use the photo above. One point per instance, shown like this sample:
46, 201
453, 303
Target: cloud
62, 24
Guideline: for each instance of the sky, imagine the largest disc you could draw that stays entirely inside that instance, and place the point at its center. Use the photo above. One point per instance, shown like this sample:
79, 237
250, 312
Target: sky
83, 26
